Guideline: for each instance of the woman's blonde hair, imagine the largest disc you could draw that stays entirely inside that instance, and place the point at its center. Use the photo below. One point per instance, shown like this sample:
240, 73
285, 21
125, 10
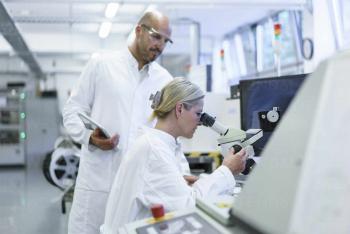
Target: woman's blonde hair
178, 90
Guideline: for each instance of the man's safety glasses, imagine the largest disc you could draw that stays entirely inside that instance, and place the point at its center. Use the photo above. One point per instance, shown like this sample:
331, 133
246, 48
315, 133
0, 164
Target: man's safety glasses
157, 36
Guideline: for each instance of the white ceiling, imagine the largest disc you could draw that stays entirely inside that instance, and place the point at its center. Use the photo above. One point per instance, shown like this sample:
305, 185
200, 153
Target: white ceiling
68, 29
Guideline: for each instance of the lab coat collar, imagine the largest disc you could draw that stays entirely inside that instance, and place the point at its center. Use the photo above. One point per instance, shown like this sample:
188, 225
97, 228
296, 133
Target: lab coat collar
133, 62
165, 137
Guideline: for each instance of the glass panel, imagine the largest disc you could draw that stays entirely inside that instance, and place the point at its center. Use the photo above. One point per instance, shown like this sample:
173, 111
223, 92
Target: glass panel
231, 61
268, 50
249, 48
240, 55
259, 47
345, 21
288, 53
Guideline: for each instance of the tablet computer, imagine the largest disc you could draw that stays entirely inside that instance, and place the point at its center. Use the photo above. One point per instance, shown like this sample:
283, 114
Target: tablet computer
92, 124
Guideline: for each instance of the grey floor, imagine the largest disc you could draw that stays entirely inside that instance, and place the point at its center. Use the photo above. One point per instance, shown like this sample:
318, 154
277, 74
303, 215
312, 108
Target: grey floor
28, 203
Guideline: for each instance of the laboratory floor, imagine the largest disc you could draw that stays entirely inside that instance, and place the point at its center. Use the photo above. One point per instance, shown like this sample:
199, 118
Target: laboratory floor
28, 203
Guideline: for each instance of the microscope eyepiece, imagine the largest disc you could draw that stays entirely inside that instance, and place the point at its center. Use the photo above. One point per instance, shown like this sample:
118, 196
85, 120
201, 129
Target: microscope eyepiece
207, 120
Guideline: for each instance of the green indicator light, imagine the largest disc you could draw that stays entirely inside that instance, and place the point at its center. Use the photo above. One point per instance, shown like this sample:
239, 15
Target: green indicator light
23, 115
22, 135
22, 95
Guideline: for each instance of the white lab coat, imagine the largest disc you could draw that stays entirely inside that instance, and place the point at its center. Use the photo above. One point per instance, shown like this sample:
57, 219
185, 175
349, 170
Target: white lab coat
151, 173
116, 94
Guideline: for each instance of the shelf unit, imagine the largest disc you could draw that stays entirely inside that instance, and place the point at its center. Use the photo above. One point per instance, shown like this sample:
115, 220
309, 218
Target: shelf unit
12, 126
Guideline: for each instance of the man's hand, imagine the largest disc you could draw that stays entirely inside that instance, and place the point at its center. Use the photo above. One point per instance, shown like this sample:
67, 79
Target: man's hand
99, 140
235, 161
190, 179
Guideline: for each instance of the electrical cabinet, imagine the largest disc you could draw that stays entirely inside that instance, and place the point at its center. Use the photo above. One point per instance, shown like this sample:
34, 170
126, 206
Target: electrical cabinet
12, 126
43, 121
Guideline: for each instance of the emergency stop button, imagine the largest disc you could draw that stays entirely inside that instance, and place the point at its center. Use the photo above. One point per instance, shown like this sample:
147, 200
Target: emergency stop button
157, 211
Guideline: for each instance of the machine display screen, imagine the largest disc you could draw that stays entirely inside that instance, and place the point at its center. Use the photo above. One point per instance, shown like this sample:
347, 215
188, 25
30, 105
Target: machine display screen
260, 96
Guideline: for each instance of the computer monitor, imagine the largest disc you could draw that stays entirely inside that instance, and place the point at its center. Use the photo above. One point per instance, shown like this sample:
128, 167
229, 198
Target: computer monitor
263, 102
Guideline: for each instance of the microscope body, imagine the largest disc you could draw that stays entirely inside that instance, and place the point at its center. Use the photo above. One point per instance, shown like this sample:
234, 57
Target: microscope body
232, 137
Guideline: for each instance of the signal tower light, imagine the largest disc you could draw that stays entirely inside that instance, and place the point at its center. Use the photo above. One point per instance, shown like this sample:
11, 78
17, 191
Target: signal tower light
277, 30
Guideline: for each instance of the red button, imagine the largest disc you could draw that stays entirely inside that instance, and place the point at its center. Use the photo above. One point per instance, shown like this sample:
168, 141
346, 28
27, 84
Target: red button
157, 211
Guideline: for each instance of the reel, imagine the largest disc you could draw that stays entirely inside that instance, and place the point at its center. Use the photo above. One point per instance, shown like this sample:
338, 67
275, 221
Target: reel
60, 167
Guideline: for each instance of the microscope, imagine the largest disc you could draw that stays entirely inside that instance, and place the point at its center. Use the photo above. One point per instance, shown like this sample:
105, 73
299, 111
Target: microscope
232, 137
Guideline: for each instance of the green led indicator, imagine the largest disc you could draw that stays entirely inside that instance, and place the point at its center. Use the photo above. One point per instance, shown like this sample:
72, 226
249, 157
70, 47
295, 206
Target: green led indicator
22, 95
22, 135
23, 115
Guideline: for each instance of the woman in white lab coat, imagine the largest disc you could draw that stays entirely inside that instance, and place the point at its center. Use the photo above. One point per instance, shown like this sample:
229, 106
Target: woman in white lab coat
151, 172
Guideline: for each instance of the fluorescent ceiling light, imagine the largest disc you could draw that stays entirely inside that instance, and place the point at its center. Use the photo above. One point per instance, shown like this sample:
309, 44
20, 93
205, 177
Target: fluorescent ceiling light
105, 29
111, 10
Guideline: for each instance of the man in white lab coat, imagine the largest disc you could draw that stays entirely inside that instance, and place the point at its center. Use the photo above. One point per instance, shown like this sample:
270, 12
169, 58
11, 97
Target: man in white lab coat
151, 171
113, 89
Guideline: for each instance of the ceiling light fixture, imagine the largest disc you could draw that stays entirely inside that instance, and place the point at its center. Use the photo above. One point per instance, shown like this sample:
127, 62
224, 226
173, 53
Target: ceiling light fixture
111, 10
105, 29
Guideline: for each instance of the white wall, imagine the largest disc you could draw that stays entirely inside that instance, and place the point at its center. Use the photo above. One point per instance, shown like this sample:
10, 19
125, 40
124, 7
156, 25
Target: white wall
318, 26
323, 33
64, 85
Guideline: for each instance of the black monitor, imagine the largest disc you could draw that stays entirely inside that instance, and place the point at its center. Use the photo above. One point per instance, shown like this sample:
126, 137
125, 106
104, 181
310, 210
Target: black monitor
263, 100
